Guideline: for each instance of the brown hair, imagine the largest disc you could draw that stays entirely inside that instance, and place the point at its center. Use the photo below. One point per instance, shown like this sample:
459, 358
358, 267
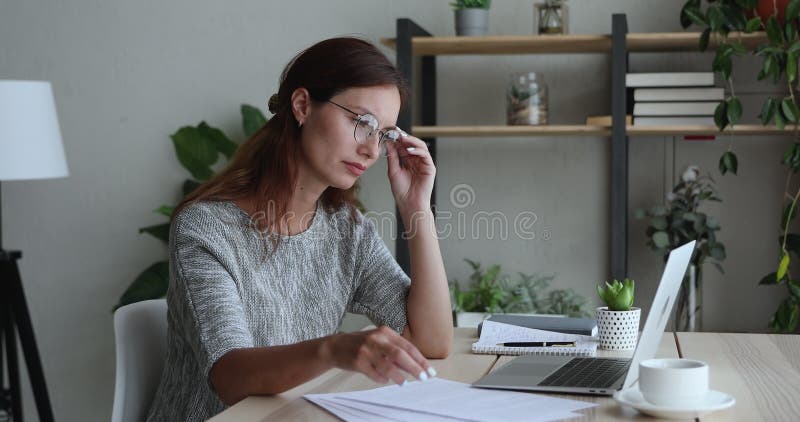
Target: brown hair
264, 166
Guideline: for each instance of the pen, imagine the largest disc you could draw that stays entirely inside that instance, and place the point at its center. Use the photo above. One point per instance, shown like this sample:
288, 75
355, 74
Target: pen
539, 344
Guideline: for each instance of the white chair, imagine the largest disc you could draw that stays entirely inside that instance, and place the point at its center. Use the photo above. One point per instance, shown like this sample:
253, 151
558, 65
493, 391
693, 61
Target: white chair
140, 332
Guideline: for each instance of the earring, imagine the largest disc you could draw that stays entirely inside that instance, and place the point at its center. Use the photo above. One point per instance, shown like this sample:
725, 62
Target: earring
299, 125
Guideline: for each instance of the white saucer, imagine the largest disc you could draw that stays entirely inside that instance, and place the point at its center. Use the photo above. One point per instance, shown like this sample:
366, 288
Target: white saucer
714, 400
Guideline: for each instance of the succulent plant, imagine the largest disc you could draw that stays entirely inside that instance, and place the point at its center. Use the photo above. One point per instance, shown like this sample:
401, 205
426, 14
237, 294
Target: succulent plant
617, 296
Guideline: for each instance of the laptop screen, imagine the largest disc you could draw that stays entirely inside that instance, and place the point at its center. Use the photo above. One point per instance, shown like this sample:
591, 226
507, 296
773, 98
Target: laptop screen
660, 310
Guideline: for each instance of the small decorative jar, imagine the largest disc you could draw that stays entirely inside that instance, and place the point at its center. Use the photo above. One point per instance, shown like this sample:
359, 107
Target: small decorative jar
618, 330
526, 99
551, 17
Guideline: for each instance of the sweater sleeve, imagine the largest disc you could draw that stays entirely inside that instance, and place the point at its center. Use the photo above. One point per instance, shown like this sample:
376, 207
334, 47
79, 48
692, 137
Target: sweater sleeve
381, 285
213, 316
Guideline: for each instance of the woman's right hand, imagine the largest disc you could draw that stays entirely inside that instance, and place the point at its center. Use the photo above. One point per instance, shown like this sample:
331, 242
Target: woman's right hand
381, 354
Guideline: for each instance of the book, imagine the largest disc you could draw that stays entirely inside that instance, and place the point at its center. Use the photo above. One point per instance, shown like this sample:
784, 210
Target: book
673, 121
494, 334
559, 324
699, 108
678, 94
605, 121
680, 79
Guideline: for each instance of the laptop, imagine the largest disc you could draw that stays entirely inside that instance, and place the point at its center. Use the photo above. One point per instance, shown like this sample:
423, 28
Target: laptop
597, 376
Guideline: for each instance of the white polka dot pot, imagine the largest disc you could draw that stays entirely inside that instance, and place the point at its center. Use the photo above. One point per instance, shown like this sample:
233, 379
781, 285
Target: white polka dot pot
618, 329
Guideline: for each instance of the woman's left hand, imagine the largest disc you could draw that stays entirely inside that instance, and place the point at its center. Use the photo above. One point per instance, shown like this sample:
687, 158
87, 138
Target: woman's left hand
412, 184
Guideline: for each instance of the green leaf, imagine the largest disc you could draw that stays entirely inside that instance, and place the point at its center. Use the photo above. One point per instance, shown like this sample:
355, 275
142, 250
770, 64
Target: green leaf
722, 62
794, 48
721, 115
661, 239
221, 142
783, 266
716, 18
252, 119
195, 152
791, 67
704, 39
768, 66
769, 279
152, 283
786, 317
779, 122
753, 25
794, 289
696, 16
189, 186
658, 211
694, 5
767, 111
165, 210
717, 252
659, 223
734, 110
790, 110
774, 31
792, 10
159, 231
728, 163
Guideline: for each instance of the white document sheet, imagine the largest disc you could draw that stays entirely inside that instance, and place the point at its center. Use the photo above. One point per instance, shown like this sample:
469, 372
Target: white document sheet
439, 400
354, 411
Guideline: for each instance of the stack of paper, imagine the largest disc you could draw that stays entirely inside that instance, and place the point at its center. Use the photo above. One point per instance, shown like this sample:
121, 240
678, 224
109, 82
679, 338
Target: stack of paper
439, 400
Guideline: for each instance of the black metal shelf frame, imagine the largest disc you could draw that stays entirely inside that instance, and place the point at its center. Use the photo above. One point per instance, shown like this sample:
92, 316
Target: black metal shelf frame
618, 252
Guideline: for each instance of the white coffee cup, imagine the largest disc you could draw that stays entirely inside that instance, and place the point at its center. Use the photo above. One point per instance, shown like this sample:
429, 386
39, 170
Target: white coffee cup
673, 382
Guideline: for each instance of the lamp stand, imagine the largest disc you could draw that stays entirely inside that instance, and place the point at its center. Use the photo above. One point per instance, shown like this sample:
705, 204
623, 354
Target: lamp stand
15, 324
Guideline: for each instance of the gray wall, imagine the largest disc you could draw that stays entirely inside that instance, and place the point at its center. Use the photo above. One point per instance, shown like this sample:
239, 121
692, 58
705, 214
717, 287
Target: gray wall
128, 74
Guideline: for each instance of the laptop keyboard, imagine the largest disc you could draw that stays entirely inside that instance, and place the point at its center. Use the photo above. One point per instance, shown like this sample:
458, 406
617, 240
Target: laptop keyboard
587, 372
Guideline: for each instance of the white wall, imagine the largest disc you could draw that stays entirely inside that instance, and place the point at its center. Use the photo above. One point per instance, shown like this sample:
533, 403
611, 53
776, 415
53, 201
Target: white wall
128, 74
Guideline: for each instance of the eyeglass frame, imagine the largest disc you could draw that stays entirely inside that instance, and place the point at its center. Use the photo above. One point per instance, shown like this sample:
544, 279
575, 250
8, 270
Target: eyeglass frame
381, 132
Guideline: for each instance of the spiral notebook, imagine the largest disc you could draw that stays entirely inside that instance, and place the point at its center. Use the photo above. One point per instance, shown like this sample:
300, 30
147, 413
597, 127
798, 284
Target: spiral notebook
495, 333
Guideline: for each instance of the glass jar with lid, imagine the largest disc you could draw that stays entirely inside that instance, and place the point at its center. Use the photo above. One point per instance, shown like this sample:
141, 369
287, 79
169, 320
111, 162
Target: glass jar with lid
526, 99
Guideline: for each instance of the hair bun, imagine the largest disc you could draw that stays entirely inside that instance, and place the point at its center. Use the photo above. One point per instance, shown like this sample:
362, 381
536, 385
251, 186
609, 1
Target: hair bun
273, 104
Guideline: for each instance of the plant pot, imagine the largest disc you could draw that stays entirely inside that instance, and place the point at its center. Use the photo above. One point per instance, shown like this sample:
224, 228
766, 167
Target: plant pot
472, 22
469, 319
618, 329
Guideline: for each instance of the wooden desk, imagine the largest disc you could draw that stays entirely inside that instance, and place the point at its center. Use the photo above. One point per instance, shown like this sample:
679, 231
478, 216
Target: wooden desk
761, 371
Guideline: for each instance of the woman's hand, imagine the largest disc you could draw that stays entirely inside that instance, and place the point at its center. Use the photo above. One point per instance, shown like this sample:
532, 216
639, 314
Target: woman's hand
412, 184
381, 354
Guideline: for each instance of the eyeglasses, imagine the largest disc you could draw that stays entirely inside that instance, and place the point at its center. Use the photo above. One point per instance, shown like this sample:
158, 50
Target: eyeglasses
366, 126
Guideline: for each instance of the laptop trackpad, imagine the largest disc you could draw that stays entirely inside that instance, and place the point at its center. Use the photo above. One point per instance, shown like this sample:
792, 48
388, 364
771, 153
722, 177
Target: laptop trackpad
526, 370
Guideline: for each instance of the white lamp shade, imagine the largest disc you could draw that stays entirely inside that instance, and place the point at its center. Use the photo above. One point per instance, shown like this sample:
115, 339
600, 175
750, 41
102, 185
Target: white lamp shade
30, 139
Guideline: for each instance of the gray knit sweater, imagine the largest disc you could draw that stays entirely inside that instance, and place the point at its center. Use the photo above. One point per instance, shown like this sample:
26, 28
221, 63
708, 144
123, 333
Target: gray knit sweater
226, 293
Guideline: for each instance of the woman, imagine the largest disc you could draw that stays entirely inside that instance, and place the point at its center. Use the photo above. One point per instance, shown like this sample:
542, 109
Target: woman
268, 256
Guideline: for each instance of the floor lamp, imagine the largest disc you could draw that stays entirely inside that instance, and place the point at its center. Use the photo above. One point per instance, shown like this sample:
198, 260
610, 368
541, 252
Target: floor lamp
30, 148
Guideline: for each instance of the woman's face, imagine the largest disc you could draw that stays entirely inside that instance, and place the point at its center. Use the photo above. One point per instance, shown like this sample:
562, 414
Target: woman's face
331, 153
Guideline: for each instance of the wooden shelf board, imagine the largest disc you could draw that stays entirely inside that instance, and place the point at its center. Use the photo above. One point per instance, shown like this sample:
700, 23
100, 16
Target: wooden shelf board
584, 130
570, 43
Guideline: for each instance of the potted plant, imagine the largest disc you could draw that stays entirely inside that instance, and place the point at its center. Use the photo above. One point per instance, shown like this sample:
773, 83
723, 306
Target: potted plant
780, 21
198, 148
618, 321
490, 292
472, 17
681, 221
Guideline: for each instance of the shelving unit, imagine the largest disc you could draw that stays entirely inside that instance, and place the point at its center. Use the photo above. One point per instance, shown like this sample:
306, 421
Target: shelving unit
413, 41
563, 130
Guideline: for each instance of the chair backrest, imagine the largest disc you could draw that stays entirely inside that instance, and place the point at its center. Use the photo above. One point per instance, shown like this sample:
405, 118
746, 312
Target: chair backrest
140, 332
